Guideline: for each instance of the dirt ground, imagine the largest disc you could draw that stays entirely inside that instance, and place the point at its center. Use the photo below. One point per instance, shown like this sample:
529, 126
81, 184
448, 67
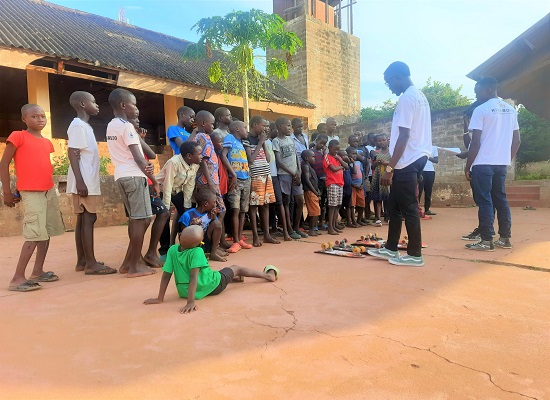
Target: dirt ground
468, 325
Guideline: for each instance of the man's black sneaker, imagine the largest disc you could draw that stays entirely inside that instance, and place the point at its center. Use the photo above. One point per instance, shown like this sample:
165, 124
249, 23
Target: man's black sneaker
503, 243
429, 212
474, 235
482, 245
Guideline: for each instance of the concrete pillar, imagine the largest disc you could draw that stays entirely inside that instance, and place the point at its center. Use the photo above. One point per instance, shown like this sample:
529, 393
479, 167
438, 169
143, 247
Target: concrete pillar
171, 105
38, 90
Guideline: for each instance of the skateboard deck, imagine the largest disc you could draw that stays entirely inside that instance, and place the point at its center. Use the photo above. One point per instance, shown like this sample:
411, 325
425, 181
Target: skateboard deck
381, 243
340, 253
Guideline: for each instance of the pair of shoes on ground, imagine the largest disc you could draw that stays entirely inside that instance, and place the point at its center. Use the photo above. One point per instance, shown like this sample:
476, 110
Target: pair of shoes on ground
235, 247
378, 223
429, 212
489, 245
298, 234
394, 258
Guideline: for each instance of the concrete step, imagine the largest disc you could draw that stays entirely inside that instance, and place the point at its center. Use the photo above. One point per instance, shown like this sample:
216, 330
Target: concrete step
522, 196
524, 203
523, 189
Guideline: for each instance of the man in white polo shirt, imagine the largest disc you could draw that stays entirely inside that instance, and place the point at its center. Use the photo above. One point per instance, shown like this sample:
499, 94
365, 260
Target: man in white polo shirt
410, 146
495, 142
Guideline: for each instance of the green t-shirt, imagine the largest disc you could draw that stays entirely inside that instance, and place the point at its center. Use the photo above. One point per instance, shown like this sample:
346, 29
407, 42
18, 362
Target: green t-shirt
180, 264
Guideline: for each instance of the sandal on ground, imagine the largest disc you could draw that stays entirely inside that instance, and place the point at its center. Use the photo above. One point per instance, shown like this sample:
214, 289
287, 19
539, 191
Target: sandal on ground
45, 277
295, 235
235, 247
272, 268
245, 245
28, 286
378, 223
102, 271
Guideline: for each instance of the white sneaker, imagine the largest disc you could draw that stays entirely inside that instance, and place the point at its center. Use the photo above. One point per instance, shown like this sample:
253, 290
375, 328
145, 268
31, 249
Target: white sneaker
383, 253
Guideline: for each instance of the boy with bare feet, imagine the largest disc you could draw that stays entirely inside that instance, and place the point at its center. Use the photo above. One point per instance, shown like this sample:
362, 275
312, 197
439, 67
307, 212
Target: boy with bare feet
204, 215
83, 182
334, 171
194, 277
131, 172
311, 190
261, 186
217, 140
35, 188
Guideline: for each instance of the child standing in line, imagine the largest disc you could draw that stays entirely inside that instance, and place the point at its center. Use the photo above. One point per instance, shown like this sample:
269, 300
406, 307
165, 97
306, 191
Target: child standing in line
179, 133
194, 277
235, 159
334, 168
35, 188
223, 118
319, 151
380, 193
204, 215
361, 165
217, 140
345, 210
357, 189
311, 190
83, 182
261, 186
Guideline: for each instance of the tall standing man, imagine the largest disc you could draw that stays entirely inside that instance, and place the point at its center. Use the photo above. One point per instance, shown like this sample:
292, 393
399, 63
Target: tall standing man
410, 146
495, 142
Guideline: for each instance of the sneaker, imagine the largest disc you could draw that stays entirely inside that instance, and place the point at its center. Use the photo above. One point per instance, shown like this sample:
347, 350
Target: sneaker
472, 236
408, 261
482, 245
295, 235
302, 233
429, 212
378, 223
383, 253
503, 243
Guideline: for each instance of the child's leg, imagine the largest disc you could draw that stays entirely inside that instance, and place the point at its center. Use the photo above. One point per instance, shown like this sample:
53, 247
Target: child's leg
41, 251
312, 224
253, 212
223, 241
360, 215
332, 210
136, 265
253, 273
151, 257
286, 202
26, 253
80, 259
377, 210
87, 238
282, 218
338, 225
298, 210
236, 224
264, 221
214, 233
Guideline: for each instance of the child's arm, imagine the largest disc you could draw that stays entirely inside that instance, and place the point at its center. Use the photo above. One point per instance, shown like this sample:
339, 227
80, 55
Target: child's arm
151, 155
74, 157
261, 141
266, 152
145, 166
190, 306
307, 181
298, 175
164, 281
9, 152
230, 172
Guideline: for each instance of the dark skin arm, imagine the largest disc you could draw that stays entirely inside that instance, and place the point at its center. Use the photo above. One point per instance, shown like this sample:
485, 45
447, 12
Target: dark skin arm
435, 159
147, 150
164, 281
261, 142
307, 182
179, 141
298, 176
516, 142
280, 164
193, 279
230, 172
400, 146
472, 152
9, 153
74, 157
145, 167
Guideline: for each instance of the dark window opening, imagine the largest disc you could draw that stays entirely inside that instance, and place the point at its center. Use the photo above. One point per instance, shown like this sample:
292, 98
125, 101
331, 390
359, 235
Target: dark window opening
15, 95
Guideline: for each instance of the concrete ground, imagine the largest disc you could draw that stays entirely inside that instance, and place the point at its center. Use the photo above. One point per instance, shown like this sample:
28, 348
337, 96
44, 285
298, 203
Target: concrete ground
466, 326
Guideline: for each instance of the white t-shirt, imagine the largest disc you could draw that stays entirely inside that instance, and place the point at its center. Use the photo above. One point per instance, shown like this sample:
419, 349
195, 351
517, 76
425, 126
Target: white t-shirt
497, 121
335, 137
412, 112
429, 165
81, 136
120, 135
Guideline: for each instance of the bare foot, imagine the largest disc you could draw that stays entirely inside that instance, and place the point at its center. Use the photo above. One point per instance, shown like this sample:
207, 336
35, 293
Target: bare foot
332, 232
338, 230
224, 244
288, 238
313, 233
99, 269
222, 253
153, 260
351, 226
216, 257
140, 270
256, 243
124, 269
270, 239
80, 266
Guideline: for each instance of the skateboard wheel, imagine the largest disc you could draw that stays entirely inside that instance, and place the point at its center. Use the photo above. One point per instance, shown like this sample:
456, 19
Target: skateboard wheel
377, 245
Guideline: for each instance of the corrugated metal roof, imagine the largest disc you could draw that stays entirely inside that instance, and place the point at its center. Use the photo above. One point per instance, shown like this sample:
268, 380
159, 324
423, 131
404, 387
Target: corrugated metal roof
57, 31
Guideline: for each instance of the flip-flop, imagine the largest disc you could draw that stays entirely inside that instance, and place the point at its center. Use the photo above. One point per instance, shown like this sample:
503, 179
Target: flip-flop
46, 277
235, 247
28, 286
272, 268
102, 271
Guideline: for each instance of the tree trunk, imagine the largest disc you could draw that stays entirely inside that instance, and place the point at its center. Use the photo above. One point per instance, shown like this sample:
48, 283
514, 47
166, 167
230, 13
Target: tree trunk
246, 111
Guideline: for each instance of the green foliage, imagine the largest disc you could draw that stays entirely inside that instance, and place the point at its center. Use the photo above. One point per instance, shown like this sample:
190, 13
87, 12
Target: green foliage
379, 112
61, 165
231, 41
535, 138
104, 163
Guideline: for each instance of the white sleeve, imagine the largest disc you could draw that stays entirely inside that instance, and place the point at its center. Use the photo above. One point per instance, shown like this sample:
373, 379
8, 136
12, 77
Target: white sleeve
77, 137
130, 136
476, 122
405, 111
516, 125
435, 152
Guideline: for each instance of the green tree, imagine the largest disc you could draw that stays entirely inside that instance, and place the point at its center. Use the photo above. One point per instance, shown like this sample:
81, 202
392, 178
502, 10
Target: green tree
535, 138
378, 112
232, 42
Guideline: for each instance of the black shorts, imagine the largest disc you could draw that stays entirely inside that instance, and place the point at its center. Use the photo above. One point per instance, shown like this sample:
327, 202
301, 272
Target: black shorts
227, 276
207, 246
346, 201
277, 190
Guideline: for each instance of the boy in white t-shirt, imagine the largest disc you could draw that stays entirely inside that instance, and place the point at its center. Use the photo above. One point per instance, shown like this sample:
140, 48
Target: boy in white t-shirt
410, 146
83, 182
131, 172
495, 142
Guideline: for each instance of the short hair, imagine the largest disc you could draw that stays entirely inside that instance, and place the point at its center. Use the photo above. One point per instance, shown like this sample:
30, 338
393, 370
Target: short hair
184, 110
306, 153
188, 147
233, 125
219, 111
350, 149
77, 97
202, 115
27, 107
296, 121
488, 82
351, 137
333, 143
314, 136
321, 136
204, 195
216, 135
321, 126
330, 119
118, 96
281, 120
371, 134
398, 68
381, 135
256, 120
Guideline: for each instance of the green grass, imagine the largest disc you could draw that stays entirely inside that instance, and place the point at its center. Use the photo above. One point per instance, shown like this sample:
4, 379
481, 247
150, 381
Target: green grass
534, 171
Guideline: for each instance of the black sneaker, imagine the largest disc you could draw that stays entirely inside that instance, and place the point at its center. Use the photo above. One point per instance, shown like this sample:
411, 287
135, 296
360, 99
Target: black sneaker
429, 212
482, 245
503, 243
472, 236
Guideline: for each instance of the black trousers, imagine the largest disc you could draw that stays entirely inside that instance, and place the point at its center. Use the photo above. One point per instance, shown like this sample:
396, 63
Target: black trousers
426, 185
404, 203
164, 242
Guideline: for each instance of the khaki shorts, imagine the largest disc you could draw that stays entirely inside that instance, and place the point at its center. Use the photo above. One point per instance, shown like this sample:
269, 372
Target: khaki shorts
88, 203
135, 196
42, 217
240, 196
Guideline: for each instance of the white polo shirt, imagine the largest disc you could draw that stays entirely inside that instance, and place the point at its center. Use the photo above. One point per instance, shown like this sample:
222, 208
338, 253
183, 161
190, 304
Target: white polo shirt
412, 112
81, 136
120, 135
429, 165
497, 121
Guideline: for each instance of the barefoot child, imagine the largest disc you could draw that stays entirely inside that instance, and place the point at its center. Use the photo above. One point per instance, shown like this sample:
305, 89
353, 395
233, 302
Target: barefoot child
217, 140
380, 193
83, 182
194, 277
357, 187
334, 170
35, 188
311, 190
345, 209
319, 150
131, 173
234, 158
204, 215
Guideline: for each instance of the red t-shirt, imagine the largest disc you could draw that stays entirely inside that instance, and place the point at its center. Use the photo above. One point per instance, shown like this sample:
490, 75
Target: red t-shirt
33, 167
224, 179
333, 178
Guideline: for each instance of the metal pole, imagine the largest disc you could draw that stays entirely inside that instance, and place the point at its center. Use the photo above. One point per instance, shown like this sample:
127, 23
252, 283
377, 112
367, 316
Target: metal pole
326, 11
340, 14
351, 16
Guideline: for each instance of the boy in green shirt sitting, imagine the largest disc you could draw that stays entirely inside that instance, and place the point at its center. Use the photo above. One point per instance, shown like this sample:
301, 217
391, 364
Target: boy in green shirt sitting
194, 277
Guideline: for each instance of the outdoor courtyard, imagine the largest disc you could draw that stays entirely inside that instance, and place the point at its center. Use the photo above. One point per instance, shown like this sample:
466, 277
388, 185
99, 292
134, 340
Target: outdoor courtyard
468, 325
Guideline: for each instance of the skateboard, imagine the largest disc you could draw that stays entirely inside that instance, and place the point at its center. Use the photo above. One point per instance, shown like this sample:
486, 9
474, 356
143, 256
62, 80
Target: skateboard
378, 243
340, 253
341, 249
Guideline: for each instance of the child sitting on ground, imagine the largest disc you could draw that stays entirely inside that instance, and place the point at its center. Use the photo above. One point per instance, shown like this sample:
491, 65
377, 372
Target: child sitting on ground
380, 193
35, 188
204, 215
311, 190
194, 277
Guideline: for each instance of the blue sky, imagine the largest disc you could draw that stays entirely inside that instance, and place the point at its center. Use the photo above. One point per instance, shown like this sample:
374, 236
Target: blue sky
441, 39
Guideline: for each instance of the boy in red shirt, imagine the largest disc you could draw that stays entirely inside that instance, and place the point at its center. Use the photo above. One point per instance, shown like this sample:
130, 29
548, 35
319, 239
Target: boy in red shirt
35, 187
334, 166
